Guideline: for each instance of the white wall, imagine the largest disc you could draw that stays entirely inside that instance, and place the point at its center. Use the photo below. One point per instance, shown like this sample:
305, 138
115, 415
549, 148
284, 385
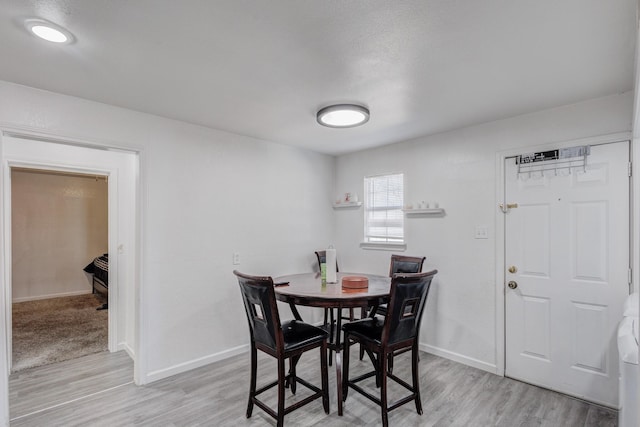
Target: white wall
59, 224
458, 169
205, 195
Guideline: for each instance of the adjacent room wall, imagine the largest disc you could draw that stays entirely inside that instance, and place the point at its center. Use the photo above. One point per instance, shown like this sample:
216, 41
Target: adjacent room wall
458, 170
59, 224
205, 195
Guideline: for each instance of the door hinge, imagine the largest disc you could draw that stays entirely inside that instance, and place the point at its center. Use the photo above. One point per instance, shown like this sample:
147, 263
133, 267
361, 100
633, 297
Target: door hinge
630, 169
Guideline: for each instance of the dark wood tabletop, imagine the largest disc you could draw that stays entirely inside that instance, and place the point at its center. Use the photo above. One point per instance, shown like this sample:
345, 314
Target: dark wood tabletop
307, 289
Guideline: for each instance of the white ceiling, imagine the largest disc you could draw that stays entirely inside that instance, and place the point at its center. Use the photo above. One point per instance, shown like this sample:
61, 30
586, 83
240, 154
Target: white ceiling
263, 68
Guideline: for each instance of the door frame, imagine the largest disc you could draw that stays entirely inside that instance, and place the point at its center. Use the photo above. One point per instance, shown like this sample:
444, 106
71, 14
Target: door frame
133, 256
500, 266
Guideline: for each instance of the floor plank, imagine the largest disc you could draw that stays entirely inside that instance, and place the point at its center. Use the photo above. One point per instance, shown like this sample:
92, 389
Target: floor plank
35, 389
452, 395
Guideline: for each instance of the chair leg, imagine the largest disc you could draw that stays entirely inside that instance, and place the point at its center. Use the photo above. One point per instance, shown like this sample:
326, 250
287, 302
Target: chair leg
390, 363
374, 362
252, 381
281, 379
292, 373
363, 314
331, 328
325, 377
326, 321
382, 359
345, 367
415, 357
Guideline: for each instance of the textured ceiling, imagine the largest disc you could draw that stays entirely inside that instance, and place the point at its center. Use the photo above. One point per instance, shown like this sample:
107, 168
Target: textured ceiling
263, 68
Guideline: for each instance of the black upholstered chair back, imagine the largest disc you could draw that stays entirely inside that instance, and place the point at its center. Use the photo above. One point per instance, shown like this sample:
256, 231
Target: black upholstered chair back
408, 298
262, 313
322, 257
405, 264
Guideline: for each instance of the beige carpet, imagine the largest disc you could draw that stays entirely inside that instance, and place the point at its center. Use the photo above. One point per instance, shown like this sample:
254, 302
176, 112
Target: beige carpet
57, 329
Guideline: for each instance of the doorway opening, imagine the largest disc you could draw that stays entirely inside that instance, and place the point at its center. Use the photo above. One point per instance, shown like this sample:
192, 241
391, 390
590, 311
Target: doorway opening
60, 266
118, 170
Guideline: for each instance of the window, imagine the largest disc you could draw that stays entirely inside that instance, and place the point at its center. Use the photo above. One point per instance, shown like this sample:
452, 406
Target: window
383, 216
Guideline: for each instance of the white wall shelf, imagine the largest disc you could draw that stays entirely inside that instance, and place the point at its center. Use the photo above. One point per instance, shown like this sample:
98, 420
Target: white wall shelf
345, 205
424, 212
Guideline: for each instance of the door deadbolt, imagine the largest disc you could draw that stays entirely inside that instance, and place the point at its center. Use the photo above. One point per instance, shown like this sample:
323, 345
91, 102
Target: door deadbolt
513, 269
512, 284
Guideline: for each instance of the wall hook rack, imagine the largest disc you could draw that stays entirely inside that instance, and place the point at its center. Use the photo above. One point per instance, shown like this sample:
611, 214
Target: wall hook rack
567, 160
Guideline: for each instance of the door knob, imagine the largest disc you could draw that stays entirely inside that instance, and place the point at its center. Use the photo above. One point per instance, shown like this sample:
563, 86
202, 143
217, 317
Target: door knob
509, 207
512, 284
513, 269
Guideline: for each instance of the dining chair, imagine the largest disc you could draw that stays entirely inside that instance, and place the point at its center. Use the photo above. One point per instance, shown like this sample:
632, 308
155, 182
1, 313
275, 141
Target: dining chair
322, 257
402, 264
399, 264
329, 319
381, 337
288, 340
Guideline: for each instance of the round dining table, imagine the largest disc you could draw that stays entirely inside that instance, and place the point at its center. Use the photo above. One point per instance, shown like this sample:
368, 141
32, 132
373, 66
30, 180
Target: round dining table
308, 289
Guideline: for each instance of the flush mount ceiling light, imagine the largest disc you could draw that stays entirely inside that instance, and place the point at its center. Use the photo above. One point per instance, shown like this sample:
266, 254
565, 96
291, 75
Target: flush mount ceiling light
343, 116
48, 31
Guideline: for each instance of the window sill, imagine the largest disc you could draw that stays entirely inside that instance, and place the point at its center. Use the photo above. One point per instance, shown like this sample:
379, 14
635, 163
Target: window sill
384, 246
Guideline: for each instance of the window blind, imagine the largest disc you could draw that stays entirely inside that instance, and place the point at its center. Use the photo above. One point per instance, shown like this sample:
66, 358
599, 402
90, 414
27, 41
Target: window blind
383, 216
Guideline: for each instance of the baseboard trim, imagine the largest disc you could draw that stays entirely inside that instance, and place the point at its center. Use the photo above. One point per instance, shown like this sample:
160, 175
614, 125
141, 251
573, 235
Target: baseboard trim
460, 358
216, 357
129, 350
195, 363
60, 295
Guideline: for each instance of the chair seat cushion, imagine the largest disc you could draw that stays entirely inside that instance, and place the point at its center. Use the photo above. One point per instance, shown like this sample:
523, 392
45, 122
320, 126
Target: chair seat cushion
369, 328
298, 334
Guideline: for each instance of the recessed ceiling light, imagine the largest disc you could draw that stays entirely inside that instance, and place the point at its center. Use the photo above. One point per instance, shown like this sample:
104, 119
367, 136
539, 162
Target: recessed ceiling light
48, 31
343, 116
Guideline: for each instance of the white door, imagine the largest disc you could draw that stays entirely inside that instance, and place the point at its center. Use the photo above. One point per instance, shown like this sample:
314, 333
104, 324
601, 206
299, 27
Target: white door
567, 251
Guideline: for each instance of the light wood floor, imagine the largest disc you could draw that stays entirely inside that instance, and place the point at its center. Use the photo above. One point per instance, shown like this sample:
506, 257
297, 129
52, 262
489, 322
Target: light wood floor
216, 395
36, 389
